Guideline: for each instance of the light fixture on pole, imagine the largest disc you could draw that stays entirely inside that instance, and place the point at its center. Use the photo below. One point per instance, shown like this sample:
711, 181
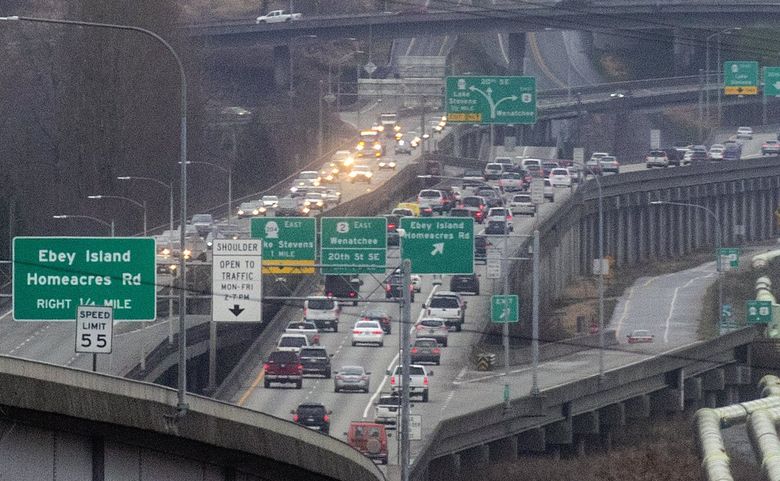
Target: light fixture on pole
110, 225
601, 272
718, 241
182, 407
170, 195
142, 205
229, 172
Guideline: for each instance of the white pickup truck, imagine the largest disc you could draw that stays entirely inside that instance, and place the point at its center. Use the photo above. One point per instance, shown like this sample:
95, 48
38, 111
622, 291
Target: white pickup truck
418, 380
277, 16
448, 306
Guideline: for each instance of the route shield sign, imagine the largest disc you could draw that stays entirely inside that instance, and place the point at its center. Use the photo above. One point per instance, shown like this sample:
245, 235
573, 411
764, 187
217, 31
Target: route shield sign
491, 100
504, 309
353, 245
289, 244
740, 78
236, 281
729, 258
772, 81
759, 312
443, 245
52, 276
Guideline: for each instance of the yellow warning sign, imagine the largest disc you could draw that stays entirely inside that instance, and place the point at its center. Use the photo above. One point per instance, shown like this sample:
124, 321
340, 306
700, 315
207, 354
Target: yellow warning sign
289, 267
748, 90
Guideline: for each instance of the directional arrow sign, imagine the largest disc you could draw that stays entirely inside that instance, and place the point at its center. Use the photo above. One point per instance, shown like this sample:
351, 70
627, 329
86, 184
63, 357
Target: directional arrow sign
504, 309
442, 245
740, 78
772, 81
491, 100
236, 280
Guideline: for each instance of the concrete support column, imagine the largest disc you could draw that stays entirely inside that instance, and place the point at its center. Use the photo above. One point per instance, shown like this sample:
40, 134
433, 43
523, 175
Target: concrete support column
652, 240
641, 230
606, 439
683, 51
663, 232
580, 443
682, 239
504, 449
475, 457
516, 53
534, 440
631, 239
706, 219
638, 407
445, 468
693, 391
560, 432
620, 248
282, 66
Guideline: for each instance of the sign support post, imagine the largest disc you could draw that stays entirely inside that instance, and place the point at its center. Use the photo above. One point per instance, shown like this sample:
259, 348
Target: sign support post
94, 331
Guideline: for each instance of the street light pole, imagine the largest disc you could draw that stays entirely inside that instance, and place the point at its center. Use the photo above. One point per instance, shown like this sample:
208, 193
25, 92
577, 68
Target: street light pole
182, 406
319, 123
110, 224
159, 182
142, 205
719, 70
718, 244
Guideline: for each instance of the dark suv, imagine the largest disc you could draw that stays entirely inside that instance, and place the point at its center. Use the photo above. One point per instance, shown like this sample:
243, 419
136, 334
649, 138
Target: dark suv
393, 285
316, 360
393, 221
313, 415
480, 248
465, 283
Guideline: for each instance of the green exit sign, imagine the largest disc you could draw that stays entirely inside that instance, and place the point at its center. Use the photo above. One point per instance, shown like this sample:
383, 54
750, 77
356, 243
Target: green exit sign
353, 245
759, 312
505, 309
491, 100
53, 276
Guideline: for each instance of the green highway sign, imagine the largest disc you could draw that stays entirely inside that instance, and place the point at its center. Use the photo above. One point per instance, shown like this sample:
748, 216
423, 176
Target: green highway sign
771, 81
442, 245
504, 309
53, 276
289, 244
729, 257
351, 245
740, 78
491, 100
759, 312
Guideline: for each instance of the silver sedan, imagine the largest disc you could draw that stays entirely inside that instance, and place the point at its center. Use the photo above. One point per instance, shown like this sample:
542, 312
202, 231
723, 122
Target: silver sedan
351, 378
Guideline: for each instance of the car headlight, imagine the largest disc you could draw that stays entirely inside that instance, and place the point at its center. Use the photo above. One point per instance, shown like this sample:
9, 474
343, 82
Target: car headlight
166, 252
352, 174
400, 142
359, 147
261, 210
305, 210
392, 164
397, 128
293, 189
307, 203
382, 164
240, 212
187, 253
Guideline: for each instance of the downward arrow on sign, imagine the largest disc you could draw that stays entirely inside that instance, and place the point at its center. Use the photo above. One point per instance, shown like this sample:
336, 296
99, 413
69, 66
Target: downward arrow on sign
236, 310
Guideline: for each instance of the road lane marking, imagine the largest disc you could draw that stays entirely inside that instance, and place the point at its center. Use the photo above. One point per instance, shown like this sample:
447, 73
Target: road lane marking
6, 314
674, 299
254, 385
540, 61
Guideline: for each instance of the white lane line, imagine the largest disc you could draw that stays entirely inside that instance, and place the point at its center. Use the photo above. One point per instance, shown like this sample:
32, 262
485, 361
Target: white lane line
674, 299
625, 311
461, 373
6, 314
391, 366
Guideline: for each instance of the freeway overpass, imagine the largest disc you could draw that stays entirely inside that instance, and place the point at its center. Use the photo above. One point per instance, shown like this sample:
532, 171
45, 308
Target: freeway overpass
465, 19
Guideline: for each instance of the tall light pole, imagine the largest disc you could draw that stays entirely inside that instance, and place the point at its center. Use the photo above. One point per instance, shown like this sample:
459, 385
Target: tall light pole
229, 172
142, 205
718, 241
182, 406
159, 182
601, 272
110, 225
720, 71
338, 63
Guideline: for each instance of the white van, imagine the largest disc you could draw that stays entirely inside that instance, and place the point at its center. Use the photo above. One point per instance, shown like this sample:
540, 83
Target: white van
533, 167
323, 312
493, 170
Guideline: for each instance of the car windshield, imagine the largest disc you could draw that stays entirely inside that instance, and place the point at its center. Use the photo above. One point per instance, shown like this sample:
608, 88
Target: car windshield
309, 174
425, 194
311, 410
460, 213
510, 175
292, 341
413, 370
390, 400
321, 304
560, 172
282, 356
425, 343
431, 323
301, 325
444, 303
313, 352
352, 371
657, 153
472, 173
366, 325
522, 198
472, 201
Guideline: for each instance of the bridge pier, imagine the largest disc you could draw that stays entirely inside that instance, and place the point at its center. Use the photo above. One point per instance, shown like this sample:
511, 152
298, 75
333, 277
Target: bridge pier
504, 449
683, 50
516, 52
282, 66
638, 407
559, 432
445, 468
693, 392
534, 440
474, 458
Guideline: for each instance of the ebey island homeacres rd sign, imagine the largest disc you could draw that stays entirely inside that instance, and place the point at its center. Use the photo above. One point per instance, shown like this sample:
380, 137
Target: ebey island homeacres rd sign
53, 276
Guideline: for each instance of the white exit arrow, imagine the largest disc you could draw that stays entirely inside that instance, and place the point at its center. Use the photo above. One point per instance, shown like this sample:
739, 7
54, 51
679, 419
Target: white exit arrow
777, 85
438, 248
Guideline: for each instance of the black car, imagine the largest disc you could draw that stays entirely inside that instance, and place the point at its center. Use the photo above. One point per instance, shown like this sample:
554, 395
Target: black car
343, 287
379, 315
699, 154
480, 248
465, 283
426, 350
393, 285
491, 196
393, 221
497, 227
315, 360
313, 415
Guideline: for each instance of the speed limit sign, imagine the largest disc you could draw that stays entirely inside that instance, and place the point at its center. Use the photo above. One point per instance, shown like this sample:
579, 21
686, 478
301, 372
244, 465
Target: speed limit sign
94, 329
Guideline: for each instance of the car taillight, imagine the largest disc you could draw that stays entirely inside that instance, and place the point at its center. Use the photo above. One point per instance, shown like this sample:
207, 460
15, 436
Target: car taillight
420, 327
265, 367
305, 310
355, 331
388, 287
392, 380
295, 418
377, 332
391, 226
300, 367
353, 294
338, 376
326, 418
316, 339
329, 294
436, 350
414, 349
425, 380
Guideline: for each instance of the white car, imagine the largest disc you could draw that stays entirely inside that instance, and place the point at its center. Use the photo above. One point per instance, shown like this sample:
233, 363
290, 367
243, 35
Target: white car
386, 164
639, 335
292, 342
416, 282
510, 182
500, 214
560, 177
343, 158
314, 201
369, 332
250, 209
521, 204
269, 201
361, 173
716, 152
745, 133
307, 328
